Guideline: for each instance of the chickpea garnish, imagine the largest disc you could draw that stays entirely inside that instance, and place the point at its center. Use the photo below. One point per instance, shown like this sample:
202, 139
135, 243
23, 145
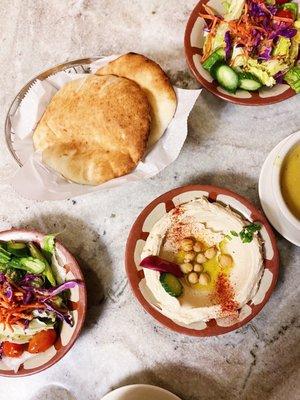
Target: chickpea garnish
198, 267
187, 244
210, 253
198, 246
193, 277
186, 268
189, 256
200, 258
226, 260
204, 278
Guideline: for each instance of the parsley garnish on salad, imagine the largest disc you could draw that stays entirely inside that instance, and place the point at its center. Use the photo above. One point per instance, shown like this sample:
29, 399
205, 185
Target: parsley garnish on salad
254, 44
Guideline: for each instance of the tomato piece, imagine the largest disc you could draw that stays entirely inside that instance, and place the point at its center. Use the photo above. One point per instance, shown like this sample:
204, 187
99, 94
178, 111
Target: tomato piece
282, 1
41, 341
285, 14
12, 349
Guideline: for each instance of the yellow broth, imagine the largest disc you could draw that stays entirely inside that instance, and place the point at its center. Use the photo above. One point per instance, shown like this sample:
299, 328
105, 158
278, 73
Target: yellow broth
290, 180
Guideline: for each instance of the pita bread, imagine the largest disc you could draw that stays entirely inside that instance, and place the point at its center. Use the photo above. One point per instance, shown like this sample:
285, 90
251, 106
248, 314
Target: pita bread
94, 129
85, 164
153, 80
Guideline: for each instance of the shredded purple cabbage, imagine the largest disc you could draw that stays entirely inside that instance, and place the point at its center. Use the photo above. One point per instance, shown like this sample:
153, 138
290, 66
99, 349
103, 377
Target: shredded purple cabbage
63, 315
256, 11
47, 293
279, 77
29, 296
228, 48
266, 54
7, 289
1, 350
33, 280
26, 323
288, 33
272, 9
257, 35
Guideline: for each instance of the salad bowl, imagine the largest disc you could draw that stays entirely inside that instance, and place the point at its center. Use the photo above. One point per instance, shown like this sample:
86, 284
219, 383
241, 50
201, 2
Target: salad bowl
155, 212
194, 42
66, 329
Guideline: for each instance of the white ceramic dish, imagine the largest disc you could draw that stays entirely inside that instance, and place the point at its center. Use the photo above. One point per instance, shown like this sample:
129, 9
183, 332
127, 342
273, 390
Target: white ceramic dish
291, 141
269, 200
140, 392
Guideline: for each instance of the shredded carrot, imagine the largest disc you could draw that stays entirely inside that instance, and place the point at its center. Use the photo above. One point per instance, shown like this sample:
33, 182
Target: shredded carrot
13, 311
282, 19
207, 16
208, 10
243, 30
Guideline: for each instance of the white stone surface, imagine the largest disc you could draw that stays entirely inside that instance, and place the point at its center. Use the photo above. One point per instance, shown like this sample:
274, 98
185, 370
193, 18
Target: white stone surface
226, 145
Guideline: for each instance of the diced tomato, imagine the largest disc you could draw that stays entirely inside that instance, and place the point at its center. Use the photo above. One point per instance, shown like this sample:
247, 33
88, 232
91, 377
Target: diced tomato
282, 1
41, 341
12, 349
285, 14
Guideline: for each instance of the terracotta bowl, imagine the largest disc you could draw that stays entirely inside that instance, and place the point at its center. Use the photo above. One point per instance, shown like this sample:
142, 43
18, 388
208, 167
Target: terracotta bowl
163, 204
78, 299
193, 42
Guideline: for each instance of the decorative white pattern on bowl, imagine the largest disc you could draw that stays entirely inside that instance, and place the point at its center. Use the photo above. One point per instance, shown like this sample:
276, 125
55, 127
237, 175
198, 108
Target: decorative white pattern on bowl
235, 205
269, 252
188, 196
137, 253
273, 91
239, 94
40, 359
264, 286
160, 209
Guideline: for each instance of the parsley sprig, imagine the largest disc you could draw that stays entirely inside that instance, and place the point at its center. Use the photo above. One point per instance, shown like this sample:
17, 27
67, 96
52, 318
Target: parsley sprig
246, 234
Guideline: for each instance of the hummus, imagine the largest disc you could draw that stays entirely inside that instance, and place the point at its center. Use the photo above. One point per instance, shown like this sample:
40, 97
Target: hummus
228, 289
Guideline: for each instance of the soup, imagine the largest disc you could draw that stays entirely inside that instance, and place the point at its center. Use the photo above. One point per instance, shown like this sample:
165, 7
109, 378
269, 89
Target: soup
290, 180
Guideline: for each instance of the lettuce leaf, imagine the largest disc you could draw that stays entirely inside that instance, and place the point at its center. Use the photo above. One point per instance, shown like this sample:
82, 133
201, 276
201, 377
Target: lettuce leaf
20, 335
235, 10
292, 77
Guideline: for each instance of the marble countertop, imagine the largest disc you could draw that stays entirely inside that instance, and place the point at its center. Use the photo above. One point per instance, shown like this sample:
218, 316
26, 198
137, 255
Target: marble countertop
226, 146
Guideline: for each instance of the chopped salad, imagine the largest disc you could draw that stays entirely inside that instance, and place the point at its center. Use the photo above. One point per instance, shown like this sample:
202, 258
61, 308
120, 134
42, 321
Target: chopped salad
254, 44
34, 299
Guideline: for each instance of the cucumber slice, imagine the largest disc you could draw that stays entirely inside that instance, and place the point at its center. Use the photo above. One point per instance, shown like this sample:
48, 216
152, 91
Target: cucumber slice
29, 264
171, 284
36, 253
15, 245
226, 76
17, 248
215, 57
249, 82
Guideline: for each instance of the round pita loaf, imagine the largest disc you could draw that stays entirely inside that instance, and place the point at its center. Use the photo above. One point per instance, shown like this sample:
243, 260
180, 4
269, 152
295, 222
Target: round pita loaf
94, 129
153, 80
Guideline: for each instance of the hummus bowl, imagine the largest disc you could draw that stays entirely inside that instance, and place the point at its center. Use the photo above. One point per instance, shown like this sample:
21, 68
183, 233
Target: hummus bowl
230, 275
67, 333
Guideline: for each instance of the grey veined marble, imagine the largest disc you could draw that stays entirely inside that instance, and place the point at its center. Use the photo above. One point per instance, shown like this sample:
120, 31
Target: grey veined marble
226, 145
